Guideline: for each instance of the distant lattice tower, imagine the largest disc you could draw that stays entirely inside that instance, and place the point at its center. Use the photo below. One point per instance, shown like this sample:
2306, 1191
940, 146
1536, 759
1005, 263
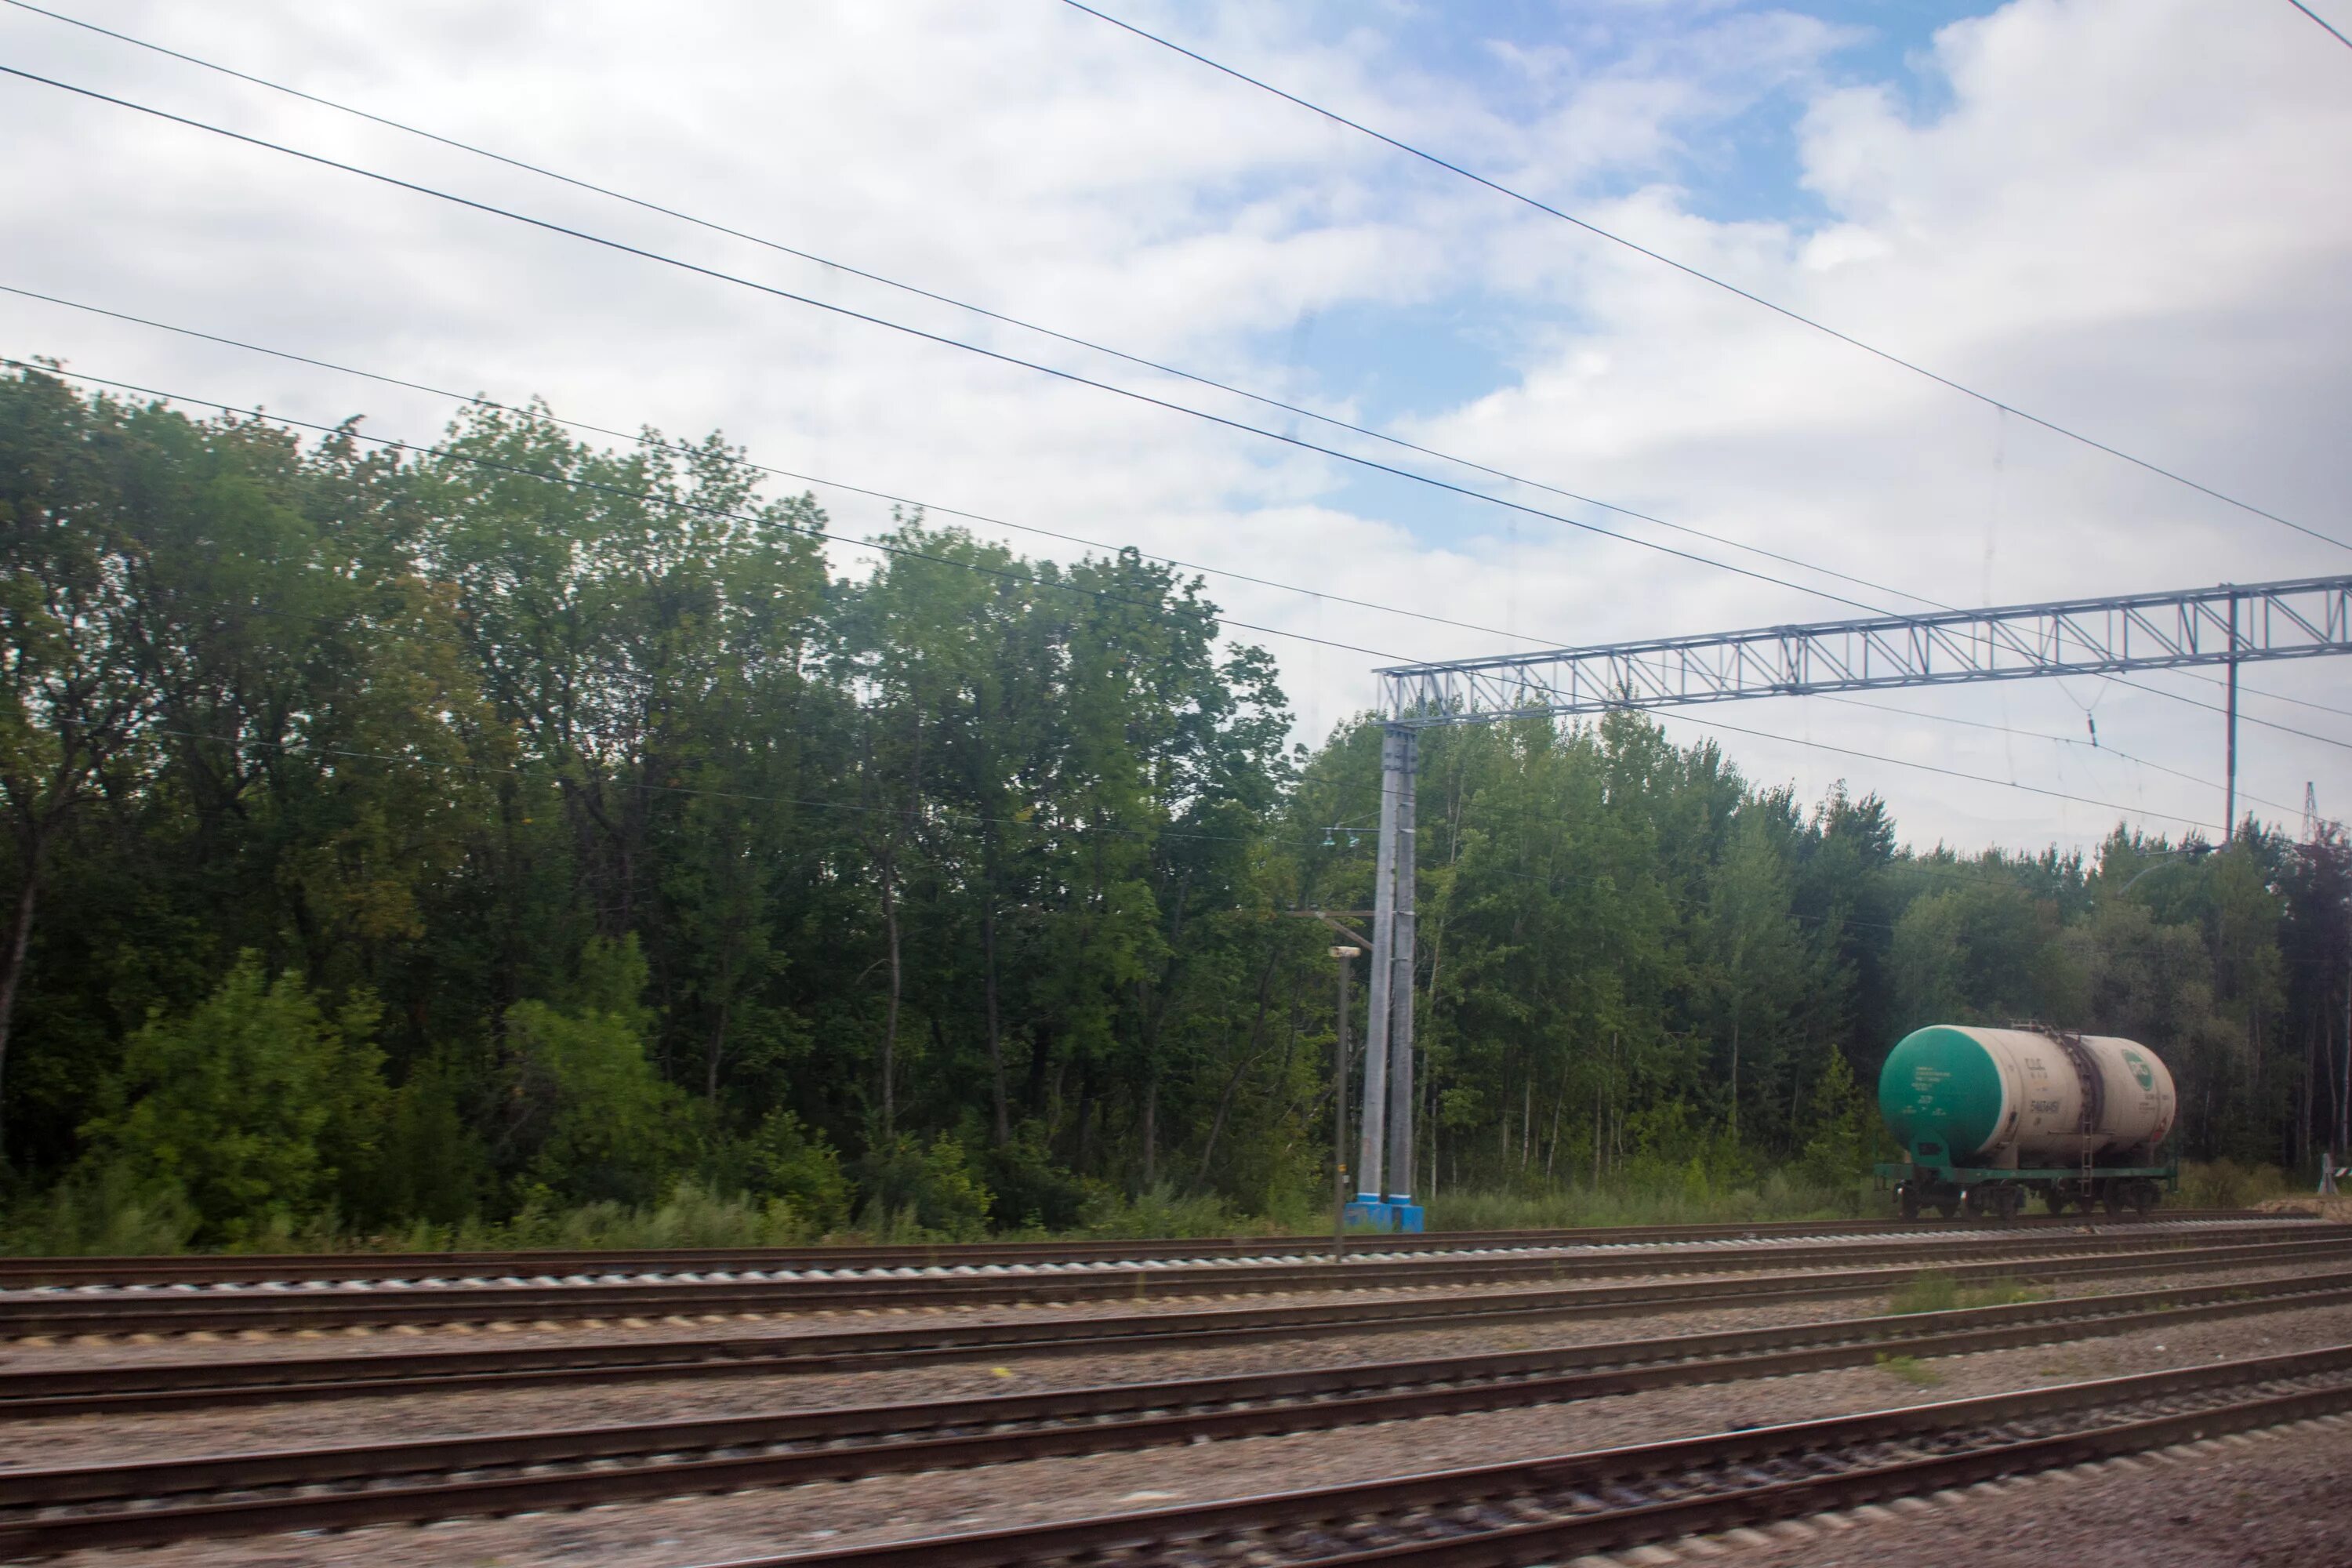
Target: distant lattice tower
2310, 814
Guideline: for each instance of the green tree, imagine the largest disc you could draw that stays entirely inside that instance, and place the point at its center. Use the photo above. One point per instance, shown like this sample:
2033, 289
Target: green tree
256, 1104
586, 1115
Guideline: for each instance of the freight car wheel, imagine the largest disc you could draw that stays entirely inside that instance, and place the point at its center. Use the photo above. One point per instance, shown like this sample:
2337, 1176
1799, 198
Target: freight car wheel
2112, 1198
2143, 1198
1907, 1201
2054, 1200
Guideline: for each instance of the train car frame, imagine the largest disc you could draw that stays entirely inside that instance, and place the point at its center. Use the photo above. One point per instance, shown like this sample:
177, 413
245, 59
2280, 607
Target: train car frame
1930, 1179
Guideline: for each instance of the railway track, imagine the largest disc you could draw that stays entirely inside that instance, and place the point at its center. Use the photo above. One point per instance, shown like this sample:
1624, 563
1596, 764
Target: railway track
24, 1273
1561, 1505
206, 1382
49, 1511
224, 1309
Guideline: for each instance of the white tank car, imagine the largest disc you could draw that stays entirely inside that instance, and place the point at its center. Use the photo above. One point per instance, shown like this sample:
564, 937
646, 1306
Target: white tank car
2010, 1098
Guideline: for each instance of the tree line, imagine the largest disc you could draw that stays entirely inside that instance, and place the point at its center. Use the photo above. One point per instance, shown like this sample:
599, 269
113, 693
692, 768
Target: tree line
402, 837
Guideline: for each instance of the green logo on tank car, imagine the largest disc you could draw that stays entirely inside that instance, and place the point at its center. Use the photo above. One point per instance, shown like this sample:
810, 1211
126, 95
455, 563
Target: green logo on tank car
2140, 1069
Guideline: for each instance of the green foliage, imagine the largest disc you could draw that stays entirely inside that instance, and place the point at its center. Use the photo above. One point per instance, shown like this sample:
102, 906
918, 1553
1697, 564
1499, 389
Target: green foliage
581, 1096
790, 1165
1844, 1129
105, 1212
2227, 1184
1910, 1369
705, 892
253, 1105
913, 1193
689, 1215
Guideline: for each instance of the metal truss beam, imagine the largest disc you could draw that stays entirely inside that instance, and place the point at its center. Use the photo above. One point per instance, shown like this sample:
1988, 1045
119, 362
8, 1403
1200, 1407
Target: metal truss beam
2226, 625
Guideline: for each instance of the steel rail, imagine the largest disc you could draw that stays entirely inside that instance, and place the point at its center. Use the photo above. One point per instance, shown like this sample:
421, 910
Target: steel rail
27, 1314
211, 1384
17, 1273
1479, 1517
122, 1505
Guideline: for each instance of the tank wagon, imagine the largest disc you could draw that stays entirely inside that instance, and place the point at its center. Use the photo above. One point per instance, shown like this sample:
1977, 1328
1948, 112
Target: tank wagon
1988, 1117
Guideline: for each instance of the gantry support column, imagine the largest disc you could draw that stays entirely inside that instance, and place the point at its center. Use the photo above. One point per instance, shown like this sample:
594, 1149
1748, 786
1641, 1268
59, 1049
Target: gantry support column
1370, 1188
1384, 1168
1400, 967
2230, 761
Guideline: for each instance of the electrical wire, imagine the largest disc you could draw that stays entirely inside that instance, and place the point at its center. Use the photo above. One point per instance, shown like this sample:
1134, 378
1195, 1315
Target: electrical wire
1930, 768
918, 291
392, 444
643, 439
2038, 736
1703, 277
624, 248
936, 338
2322, 21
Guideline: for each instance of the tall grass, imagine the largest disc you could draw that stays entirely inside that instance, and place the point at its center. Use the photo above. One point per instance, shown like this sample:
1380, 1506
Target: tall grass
2226, 1185
110, 1217
1932, 1290
1779, 1196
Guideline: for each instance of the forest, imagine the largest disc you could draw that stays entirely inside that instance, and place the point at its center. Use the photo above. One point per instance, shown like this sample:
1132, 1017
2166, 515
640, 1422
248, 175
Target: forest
401, 843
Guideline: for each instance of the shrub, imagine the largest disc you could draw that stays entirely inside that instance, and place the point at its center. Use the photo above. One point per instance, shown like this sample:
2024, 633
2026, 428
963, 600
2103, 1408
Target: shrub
1932, 1290
253, 1105
2227, 1184
106, 1212
915, 1193
786, 1164
584, 1107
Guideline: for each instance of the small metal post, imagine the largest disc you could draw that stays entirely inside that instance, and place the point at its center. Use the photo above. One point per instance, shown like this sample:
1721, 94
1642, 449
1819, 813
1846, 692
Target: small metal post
1368, 1185
1400, 977
1346, 955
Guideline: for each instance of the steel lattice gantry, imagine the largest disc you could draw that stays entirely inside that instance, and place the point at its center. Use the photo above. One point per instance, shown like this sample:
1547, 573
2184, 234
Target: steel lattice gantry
2081, 636
2227, 625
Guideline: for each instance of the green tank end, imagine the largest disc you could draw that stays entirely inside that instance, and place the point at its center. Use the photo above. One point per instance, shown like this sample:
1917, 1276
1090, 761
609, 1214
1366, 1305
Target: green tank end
1939, 1083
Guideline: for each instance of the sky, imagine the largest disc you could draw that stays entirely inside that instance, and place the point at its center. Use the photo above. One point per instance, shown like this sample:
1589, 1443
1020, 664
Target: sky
2125, 216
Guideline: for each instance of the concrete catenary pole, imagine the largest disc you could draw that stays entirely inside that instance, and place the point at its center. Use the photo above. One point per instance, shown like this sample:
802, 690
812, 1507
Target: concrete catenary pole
1346, 956
1399, 975
1369, 1187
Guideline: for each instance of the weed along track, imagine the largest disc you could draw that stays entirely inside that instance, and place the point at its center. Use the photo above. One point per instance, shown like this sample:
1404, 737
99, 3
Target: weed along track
48, 1510
212, 1383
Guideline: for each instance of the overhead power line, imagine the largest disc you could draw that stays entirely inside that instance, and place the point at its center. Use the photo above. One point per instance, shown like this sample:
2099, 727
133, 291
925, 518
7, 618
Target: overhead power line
1276, 436
641, 438
1930, 768
388, 443
1092, 346
392, 444
2197, 779
2322, 21
624, 248
1708, 278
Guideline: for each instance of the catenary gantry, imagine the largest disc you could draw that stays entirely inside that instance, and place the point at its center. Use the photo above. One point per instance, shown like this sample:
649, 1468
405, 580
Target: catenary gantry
2226, 626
